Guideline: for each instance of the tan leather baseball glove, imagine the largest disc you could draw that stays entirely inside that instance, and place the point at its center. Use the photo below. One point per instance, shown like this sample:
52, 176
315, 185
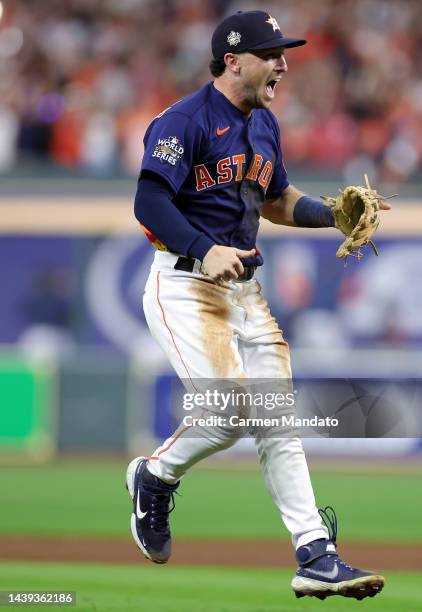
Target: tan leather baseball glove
355, 212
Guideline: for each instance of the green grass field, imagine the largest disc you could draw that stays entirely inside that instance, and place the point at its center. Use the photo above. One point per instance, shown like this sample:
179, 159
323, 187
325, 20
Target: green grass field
90, 499
87, 498
129, 588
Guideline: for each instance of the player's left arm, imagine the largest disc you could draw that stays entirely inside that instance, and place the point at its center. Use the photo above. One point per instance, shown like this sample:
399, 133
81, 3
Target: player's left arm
294, 208
280, 210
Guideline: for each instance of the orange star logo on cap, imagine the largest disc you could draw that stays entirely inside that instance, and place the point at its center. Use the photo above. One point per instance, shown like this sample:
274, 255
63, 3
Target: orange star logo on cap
273, 22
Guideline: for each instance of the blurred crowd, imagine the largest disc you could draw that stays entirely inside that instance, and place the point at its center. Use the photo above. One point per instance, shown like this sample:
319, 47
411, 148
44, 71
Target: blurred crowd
82, 79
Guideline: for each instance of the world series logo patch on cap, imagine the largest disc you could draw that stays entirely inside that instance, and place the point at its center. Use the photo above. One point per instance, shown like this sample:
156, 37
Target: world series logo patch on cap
168, 150
234, 38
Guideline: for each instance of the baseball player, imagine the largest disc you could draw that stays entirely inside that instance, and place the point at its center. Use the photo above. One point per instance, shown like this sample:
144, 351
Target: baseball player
212, 166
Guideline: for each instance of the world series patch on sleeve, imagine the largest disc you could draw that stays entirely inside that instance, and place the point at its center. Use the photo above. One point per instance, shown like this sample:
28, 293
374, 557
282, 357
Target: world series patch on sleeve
168, 150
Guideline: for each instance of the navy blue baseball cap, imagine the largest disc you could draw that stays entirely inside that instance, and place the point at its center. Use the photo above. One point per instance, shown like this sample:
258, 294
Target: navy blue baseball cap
247, 31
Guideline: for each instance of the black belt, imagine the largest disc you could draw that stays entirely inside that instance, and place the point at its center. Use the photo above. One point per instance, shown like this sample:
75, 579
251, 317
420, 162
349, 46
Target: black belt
187, 264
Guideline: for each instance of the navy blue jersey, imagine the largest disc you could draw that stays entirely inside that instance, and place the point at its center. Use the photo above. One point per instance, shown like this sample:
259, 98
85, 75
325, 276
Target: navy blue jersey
220, 164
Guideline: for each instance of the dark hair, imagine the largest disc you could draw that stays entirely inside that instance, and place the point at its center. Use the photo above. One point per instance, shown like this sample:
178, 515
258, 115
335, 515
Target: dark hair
217, 66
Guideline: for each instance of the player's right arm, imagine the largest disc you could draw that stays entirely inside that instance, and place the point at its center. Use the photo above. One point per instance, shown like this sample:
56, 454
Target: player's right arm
172, 144
155, 210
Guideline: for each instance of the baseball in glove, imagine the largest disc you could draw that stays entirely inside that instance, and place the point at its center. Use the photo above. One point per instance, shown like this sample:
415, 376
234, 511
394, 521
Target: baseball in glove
356, 215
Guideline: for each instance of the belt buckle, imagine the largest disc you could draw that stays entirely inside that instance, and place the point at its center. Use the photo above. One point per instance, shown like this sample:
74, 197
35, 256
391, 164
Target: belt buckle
186, 264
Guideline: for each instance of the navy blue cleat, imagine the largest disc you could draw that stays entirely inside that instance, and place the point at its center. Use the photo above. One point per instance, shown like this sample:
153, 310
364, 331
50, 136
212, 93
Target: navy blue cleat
322, 573
149, 522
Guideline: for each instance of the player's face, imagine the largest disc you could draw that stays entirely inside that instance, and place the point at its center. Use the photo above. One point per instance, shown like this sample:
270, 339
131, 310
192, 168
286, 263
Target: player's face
261, 71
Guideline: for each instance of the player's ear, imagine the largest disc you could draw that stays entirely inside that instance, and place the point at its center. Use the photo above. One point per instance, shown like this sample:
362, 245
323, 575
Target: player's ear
232, 62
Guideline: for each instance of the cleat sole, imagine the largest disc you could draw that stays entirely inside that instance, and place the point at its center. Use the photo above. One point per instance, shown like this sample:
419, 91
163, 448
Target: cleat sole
359, 588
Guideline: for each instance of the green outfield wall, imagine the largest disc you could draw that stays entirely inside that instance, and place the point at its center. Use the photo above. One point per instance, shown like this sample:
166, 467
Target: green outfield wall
28, 406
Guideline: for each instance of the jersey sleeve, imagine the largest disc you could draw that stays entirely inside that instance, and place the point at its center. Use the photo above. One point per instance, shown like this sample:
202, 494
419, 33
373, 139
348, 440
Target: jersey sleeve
279, 180
171, 145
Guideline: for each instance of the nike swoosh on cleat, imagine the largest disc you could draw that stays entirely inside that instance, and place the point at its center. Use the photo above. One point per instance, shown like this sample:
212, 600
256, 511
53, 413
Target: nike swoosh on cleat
330, 575
139, 512
220, 132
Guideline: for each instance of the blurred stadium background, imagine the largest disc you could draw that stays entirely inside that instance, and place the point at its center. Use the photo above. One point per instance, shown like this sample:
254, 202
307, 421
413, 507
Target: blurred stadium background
79, 372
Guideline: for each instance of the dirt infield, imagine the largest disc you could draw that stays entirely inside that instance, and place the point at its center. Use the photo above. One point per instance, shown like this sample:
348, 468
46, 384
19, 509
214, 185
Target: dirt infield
240, 553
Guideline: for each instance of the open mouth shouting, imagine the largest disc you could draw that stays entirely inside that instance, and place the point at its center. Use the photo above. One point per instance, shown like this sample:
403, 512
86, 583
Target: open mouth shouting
270, 87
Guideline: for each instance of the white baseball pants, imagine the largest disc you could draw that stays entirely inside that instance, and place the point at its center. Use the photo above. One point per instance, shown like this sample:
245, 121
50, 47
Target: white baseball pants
211, 331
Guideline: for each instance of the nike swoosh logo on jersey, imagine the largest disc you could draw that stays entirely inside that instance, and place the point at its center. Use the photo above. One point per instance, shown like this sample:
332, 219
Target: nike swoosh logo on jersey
330, 575
223, 131
139, 512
